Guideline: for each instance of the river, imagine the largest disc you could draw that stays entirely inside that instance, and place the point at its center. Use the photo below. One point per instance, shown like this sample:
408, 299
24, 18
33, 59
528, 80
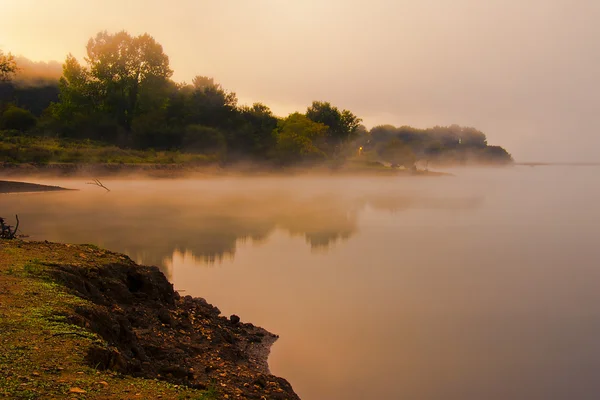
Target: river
481, 285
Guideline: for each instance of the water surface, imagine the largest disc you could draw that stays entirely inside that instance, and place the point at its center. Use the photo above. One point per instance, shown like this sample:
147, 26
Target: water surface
478, 286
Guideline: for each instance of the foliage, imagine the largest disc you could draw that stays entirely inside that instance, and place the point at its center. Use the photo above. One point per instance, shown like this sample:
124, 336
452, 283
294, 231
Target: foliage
341, 125
121, 102
8, 66
444, 144
203, 139
18, 119
298, 138
15, 148
397, 153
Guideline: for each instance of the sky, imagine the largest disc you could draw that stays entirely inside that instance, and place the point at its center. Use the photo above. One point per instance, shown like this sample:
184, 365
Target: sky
525, 72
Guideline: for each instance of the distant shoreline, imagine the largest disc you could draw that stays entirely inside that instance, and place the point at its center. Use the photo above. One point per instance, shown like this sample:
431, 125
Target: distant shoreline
24, 187
564, 164
66, 170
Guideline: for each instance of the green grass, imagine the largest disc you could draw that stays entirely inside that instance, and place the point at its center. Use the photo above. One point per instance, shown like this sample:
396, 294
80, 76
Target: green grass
17, 148
42, 353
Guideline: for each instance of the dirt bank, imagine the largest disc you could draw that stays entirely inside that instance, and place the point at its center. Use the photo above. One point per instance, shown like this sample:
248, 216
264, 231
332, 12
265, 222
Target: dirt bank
19, 187
84, 322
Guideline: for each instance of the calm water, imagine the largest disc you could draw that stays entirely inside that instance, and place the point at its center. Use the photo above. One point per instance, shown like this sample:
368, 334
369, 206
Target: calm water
480, 286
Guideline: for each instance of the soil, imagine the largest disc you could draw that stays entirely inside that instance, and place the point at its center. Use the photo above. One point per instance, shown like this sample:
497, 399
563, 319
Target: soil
83, 322
19, 187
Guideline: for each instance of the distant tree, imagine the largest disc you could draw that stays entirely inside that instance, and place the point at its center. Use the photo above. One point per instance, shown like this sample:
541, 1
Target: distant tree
495, 154
342, 125
18, 119
298, 139
8, 66
75, 89
207, 103
204, 82
255, 135
383, 133
121, 67
470, 137
397, 153
78, 109
203, 139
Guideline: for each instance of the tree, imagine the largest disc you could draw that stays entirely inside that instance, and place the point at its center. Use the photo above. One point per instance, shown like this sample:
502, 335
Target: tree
203, 139
298, 139
120, 68
256, 136
17, 118
397, 153
204, 102
342, 125
8, 66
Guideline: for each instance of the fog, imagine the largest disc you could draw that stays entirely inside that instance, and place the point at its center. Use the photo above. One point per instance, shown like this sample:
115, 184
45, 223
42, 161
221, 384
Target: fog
525, 73
207, 218
482, 285
36, 73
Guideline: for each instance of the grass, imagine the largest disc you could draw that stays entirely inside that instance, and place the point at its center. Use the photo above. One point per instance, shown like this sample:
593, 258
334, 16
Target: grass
17, 148
41, 352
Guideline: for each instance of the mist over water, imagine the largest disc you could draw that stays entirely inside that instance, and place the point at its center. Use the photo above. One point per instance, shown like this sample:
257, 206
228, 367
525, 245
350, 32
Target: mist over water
478, 286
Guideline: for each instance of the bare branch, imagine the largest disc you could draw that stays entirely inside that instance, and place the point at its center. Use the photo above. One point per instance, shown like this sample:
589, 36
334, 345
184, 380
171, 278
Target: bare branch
98, 183
16, 227
7, 231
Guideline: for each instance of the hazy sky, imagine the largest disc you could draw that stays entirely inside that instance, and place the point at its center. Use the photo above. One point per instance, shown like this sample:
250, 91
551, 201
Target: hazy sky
526, 72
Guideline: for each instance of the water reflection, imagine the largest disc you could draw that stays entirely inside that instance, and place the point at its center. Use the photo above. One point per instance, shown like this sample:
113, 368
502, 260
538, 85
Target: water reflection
153, 220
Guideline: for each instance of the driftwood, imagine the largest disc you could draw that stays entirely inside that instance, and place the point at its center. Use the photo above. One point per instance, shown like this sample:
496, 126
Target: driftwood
98, 183
7, 231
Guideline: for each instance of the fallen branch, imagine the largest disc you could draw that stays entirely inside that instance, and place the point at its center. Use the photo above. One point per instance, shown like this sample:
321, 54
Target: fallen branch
98, 183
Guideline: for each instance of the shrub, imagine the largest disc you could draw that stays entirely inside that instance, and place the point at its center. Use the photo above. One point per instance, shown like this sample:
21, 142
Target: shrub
18, 119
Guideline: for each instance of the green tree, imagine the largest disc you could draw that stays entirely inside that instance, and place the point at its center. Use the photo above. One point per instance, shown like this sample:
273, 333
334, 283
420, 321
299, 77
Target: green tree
75, 91
203, 139
397, 153
121, 67
342, 125
18, 119
299, 138
255, 136
8, 66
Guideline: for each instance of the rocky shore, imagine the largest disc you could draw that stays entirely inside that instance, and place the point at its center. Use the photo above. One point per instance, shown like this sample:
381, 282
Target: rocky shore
84, 322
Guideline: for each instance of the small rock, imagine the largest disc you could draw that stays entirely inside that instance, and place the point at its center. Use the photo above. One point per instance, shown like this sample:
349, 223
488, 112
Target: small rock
234, 319
164, 316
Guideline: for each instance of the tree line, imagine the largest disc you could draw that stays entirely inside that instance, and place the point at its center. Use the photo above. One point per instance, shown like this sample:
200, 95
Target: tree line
123, 95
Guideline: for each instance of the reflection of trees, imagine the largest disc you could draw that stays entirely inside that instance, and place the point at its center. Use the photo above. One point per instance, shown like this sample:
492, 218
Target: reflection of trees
150, 228
394, 203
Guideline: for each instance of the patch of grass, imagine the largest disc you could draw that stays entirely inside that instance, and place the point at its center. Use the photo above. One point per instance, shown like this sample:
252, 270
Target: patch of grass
42, 353
18, 148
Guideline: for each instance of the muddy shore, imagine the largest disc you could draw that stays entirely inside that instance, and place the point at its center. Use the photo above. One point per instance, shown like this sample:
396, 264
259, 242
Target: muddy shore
21, 187
122, 324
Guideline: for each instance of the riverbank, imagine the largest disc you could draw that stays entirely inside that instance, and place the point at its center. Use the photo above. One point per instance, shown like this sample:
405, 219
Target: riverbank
105, 170
22, 187
83, 322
